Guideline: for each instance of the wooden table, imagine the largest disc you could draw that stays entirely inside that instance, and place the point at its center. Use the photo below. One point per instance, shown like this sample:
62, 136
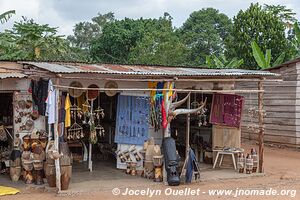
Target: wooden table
226, 152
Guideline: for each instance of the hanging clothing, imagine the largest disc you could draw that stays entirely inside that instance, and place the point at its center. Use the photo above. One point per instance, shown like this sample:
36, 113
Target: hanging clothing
68, 111
80, 100
190, 167
62, 111
51, 103
39, 90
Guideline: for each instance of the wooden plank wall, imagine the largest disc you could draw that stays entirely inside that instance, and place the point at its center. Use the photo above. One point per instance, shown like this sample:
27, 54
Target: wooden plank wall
282, 105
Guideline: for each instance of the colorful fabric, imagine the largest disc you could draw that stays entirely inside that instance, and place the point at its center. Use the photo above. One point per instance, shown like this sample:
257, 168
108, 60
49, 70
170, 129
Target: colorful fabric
68, 111
81, 100
8, 191
164, 122
132, 120
152, 85
227, 110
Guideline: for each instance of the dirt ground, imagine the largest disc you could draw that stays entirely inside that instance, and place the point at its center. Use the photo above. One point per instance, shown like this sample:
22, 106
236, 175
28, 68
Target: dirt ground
282, 172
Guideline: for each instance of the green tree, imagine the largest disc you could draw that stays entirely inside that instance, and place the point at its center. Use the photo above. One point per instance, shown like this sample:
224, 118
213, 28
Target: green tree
264, 61
85, 32
256, 24
222, 62
4, 17
286, 15
204, 33
296, 39
149, 41
31, 41
160, 48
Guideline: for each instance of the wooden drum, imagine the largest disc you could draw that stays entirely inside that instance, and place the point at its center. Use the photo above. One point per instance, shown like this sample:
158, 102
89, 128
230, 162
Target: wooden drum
66, 173
15, 173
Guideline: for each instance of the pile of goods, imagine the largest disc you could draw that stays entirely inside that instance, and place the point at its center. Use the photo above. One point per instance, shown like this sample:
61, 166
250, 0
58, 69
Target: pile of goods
147, 162
33, 158
248, 163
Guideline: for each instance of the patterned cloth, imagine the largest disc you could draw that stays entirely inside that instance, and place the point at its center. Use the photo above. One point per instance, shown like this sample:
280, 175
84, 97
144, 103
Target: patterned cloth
132, 120
227, 109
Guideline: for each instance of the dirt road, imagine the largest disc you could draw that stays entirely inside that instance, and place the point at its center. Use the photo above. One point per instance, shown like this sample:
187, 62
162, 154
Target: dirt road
282, 167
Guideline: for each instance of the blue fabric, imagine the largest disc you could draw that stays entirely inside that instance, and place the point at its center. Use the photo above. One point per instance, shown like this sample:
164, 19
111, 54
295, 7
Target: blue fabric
190, 166
132, 120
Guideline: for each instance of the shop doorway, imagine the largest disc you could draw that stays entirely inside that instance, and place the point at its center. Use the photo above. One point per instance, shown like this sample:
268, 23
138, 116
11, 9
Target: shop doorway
6, 128
103, 158
200, 130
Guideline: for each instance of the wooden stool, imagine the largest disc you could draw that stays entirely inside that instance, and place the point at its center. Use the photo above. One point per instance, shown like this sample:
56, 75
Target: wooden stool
222, 153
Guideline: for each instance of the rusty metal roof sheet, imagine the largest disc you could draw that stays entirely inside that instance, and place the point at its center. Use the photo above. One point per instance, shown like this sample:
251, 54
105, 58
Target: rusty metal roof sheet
11, 75
11, 70
143, 70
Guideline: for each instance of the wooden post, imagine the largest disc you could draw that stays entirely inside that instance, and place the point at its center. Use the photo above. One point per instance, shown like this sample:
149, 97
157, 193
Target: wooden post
90, 162
261, 127
56, 138
168, 102
187, 130
167, 131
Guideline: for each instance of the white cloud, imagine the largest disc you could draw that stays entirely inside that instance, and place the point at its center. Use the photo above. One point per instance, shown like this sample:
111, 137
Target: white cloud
65, 13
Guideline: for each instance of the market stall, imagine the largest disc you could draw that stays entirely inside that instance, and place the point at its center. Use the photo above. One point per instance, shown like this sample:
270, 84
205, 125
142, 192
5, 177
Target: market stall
128, 116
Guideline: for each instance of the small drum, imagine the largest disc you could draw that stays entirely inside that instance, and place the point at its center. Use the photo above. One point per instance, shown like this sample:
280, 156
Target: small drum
43, 141
128, 167
27, 165
133, 168
158, 161
26, 143
38, 165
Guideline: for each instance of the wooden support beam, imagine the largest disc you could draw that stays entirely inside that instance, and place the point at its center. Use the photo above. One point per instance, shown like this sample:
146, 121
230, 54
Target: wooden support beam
56, 140
174, 79
261, 127
150, 89
187, 130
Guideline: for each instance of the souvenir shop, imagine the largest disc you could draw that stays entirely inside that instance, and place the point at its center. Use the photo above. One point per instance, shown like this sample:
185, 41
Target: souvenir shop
158, 123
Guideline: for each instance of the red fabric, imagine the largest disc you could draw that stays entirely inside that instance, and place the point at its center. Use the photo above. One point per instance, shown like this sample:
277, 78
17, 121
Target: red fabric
164, 115
227, 110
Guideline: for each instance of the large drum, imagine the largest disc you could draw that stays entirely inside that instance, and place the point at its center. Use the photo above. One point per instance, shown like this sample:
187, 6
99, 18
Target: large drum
66, 173
38, 166
50, 174
27, 174
15, 173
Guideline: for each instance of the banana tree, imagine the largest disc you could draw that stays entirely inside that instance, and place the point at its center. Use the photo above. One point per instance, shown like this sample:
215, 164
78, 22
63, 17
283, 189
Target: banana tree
4, 17
264, 61
296, 41
214, 62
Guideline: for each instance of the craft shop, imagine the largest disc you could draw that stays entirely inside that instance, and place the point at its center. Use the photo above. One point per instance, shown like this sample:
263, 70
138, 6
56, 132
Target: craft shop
157, 122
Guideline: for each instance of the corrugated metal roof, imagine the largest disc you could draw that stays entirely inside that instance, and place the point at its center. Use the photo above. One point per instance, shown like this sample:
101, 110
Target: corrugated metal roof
296, 60
143, 70
11, 70
11, 75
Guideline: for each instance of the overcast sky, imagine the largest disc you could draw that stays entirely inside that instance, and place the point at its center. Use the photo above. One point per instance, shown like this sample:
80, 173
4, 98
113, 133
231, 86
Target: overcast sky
65, 13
